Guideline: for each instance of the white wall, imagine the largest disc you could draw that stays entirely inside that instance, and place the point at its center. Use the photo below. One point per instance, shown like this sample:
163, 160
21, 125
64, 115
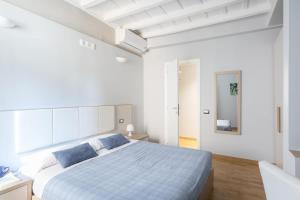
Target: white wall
294, 71
64, 13
43, 66
251, 53
188, 100
291, 97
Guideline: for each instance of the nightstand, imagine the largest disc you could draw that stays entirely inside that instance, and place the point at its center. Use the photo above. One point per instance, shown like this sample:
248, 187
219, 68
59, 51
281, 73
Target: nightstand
20, 190
139, 136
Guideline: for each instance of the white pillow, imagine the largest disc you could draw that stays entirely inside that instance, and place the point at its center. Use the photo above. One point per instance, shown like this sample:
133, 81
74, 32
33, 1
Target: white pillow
35, 163
48, 161
95, 143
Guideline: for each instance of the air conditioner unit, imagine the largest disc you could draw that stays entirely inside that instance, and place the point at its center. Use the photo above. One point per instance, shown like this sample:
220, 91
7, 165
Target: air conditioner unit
131, 41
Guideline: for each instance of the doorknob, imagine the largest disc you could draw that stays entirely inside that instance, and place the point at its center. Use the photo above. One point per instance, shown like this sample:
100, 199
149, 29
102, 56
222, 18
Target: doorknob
176, 108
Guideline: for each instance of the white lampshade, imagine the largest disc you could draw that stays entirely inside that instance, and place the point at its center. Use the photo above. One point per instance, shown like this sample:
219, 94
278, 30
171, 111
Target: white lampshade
130, 128
6, 23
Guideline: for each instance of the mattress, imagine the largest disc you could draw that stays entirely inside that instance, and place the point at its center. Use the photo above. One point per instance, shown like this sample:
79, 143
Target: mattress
139, 170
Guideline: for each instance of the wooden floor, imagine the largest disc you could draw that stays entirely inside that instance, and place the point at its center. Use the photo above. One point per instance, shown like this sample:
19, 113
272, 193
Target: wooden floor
236, 179
187, 142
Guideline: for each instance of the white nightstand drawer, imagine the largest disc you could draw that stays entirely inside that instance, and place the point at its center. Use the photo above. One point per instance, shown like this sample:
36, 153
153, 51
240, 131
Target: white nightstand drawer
17, 194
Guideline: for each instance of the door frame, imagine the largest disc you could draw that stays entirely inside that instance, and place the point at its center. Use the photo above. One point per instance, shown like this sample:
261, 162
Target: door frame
195, 61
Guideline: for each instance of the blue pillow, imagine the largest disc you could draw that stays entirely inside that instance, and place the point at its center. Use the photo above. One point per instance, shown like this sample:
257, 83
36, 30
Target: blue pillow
75, 155
114, 141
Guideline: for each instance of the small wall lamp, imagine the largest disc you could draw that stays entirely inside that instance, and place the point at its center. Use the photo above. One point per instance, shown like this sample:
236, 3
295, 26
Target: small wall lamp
121, 59
6, 23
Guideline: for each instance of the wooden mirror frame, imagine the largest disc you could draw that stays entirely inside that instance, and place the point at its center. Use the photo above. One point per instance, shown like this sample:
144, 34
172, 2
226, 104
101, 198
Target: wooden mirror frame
238, 74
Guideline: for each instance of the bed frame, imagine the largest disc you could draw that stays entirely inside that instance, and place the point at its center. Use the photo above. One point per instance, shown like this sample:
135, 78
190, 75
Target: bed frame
205, 194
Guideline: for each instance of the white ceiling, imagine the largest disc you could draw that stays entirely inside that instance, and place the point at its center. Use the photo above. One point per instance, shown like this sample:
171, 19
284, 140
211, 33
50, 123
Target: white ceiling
152, 18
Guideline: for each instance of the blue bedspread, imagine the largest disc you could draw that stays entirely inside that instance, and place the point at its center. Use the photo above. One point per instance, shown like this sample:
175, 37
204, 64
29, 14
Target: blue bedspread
141, 171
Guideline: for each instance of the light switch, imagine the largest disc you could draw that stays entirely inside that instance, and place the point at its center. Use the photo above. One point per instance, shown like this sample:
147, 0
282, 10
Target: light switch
87, 44
81, 42
206, 112
92, 46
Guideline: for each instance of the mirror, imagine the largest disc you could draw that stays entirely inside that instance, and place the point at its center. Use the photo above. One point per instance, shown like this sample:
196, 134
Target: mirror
228, 102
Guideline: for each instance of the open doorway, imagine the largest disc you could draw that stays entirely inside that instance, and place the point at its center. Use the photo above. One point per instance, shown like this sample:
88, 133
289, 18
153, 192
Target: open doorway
182, 103
189, 103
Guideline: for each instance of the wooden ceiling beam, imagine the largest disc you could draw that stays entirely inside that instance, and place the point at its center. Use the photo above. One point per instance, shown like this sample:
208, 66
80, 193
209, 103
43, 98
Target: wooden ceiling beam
190, 11
91, 3
132, 9
245, 13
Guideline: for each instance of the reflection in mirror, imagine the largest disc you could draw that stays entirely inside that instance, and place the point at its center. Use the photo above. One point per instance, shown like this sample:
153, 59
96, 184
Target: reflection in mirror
228, 101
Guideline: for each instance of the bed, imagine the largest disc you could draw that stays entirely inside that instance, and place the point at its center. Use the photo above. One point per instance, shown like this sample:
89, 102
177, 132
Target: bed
137, 170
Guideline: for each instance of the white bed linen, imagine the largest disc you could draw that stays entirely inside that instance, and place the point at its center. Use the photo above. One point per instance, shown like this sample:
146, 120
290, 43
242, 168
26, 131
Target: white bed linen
44, 176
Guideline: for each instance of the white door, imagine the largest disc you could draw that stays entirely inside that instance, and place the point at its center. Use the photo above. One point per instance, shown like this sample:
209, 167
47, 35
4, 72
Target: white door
171, 103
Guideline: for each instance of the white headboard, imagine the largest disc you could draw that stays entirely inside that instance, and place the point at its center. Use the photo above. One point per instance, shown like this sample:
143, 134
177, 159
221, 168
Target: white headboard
34, 129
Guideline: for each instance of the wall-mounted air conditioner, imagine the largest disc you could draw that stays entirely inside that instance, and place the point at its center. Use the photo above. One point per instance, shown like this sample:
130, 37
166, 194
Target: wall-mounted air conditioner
131, 41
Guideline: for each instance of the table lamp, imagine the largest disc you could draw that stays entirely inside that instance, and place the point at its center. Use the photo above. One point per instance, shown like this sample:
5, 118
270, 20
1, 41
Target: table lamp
130, 129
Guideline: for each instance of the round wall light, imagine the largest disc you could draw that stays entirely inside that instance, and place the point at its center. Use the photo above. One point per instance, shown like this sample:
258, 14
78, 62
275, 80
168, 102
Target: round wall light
121, 59
6, 23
